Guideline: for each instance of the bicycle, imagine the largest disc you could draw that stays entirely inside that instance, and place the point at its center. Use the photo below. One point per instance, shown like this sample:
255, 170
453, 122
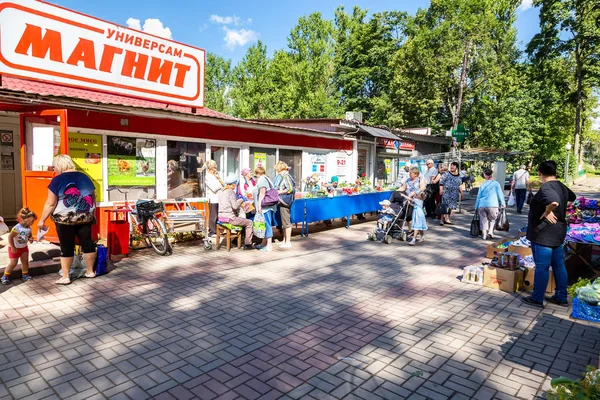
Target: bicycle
145, 222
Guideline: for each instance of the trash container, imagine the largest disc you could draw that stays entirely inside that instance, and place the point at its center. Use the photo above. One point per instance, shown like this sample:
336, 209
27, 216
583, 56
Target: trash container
118, 232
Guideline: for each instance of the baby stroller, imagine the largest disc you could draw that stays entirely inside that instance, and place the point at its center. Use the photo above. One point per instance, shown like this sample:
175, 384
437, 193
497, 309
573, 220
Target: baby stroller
398, 227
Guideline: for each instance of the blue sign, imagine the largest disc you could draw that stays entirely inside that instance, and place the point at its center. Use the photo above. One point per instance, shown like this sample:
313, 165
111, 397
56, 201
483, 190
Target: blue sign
397, 144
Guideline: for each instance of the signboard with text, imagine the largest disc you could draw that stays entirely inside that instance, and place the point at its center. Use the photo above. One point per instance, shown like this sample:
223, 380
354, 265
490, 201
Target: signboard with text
341, 164
50, 43
395, 144
86, 152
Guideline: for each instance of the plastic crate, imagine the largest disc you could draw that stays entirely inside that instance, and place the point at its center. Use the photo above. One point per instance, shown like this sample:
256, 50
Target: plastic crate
582, 310
147, 208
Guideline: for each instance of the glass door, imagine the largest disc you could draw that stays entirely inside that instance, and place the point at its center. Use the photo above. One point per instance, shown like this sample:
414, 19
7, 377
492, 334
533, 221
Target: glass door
43, 136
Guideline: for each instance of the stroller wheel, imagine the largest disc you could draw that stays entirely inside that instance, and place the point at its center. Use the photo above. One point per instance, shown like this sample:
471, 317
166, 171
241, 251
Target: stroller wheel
388, 239
370, 237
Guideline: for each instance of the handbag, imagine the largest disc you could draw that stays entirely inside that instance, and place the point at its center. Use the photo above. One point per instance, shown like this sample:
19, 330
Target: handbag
441, 209
287, 199
475, 225
529, 197
259, 226
511, 200
101, 266
271, 196
502, 223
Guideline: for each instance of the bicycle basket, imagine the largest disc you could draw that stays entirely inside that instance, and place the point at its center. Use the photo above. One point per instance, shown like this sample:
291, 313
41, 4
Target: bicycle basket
147, 208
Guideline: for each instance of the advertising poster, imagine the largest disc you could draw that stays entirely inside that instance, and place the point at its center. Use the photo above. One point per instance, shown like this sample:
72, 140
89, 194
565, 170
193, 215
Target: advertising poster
8, 161
388, 166
317, 162
260, 160
86, 152
131, 162
341, 164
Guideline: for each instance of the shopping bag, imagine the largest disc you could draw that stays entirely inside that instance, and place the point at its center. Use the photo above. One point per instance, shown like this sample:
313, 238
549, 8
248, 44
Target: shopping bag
78, 268
441, 209
475, 225
101, 266
259, 226
511, 200
502, 223
3, 227
529, 197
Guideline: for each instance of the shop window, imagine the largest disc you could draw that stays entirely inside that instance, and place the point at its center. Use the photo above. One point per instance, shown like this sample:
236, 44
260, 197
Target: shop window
217, 154
131, 166
44, 145
233, 162
183, 161
384, 170
362, 162
293, 158
265, 157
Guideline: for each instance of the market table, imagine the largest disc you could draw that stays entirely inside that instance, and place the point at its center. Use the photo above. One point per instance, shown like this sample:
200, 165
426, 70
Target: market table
305, 211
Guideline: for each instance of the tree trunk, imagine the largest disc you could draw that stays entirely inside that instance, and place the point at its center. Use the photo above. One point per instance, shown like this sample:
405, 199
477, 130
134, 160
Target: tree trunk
578, 99
463, 76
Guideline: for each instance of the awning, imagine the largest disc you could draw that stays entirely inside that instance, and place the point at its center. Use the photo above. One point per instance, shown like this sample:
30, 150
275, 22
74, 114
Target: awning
378, 132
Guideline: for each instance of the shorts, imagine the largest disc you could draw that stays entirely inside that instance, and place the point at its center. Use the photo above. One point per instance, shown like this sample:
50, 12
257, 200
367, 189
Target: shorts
284, 212
17, 253
67, 235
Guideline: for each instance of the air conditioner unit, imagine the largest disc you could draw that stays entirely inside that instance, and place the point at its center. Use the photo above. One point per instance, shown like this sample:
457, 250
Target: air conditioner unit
354, 116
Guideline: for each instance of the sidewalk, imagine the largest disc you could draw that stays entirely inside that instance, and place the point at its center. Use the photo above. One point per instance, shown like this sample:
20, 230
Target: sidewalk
334, 317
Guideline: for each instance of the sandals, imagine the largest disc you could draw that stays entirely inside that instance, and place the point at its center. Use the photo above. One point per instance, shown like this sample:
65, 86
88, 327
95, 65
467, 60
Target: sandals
63, 281
91, 275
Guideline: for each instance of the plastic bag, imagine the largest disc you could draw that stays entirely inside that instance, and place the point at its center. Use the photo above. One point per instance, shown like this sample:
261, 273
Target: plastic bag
502, 223
259, 226
3, 227
589, 295
511, 200
101, 266
475, 225
78, 268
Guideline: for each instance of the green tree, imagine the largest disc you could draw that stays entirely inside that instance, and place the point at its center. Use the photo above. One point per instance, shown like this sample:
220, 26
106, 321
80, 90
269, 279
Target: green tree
250, 89
218, 82
571, 29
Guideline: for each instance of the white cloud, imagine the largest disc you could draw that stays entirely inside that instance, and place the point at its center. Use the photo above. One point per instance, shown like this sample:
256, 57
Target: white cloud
596, 121
238, 37
525, 5
153, 26
229, 20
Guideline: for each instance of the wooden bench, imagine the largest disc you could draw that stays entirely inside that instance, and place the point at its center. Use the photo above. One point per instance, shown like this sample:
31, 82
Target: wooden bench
228, 231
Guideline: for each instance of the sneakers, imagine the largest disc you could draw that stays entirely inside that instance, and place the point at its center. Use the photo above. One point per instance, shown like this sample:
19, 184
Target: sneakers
412, 242
420, 240
249, 247
27, 277
554, 300
530, 302
5, 280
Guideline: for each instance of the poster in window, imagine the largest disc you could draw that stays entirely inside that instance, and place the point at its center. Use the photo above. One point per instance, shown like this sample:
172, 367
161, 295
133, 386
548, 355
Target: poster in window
131, 162
260, 160
362, 162
8, 162
317, 162
341, 164
86, 152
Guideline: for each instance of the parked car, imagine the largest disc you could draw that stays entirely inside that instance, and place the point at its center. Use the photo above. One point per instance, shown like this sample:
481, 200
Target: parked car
508, 181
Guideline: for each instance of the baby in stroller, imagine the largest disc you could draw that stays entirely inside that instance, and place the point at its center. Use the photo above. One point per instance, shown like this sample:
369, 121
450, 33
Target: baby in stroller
386, 216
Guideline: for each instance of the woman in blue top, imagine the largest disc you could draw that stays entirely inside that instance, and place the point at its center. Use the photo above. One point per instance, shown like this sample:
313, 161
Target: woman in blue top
490, 200
262, 185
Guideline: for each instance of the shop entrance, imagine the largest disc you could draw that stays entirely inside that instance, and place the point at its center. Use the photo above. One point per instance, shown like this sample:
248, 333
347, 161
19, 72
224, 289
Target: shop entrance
43, 136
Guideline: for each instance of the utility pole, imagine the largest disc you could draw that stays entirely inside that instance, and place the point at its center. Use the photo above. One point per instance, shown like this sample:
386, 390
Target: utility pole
463, 77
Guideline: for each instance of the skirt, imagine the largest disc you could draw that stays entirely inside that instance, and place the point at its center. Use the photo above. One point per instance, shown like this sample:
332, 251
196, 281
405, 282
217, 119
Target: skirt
418, 219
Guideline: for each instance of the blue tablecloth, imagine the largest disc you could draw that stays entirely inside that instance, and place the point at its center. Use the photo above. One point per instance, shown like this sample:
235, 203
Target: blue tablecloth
305, 211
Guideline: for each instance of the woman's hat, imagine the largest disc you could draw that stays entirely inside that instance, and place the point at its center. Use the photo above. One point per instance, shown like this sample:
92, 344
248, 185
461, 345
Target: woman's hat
246, 171
231, 180
335, 179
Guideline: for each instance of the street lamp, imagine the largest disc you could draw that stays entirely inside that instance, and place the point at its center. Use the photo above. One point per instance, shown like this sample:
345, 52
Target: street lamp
568, 149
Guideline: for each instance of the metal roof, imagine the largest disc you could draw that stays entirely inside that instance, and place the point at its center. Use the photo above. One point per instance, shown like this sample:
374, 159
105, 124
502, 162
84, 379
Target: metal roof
378, 132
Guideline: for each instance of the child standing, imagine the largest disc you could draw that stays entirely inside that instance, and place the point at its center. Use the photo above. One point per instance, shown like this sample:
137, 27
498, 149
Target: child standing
419, 224
18, 239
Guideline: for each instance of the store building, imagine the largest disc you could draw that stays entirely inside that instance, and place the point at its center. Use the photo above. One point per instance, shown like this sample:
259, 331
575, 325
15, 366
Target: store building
119, 104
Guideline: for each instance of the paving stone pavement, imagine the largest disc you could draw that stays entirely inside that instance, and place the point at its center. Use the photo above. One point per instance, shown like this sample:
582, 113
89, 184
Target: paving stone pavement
335, 317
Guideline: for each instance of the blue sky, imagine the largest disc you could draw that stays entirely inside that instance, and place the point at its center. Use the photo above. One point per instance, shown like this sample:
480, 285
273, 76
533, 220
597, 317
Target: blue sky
227, 28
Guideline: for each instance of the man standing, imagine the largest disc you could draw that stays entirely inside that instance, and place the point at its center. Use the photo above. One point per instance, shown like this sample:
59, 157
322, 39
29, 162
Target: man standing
403, 175
520, 184
431, 190
547, 229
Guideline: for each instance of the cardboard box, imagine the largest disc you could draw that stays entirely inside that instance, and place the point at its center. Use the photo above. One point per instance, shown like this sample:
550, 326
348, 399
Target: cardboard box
502, 279
528, 274
493, 248
523, 251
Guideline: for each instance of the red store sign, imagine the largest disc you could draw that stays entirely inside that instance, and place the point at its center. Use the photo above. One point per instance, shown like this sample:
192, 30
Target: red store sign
391, 144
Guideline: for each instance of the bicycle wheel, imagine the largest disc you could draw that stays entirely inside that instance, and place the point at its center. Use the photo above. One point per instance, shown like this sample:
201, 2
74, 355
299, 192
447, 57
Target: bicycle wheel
157, 236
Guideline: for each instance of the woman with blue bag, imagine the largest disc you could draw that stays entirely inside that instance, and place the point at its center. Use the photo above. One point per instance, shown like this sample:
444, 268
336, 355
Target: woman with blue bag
266, 199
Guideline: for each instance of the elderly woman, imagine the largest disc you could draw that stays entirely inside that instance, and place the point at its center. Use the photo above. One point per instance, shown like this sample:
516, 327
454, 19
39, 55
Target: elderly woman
245, 191
451, 192
229, 208
490, 200
71, 204
262, 185
285, 186
214, 186
413, 187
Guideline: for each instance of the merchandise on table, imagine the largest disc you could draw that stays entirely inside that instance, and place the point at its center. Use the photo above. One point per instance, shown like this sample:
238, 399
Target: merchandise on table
587, 232
473, 274
590, 293
583, 210
507, 260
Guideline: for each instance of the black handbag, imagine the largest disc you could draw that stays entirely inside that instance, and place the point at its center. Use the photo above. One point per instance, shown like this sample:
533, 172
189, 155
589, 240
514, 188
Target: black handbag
441, 209
475, 225
529, 197
502, 223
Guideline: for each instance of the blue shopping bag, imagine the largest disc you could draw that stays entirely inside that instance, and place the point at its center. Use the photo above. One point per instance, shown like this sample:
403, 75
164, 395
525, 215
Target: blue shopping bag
101, 266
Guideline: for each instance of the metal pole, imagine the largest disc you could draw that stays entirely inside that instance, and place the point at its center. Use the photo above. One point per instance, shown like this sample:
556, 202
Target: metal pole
459, 168
567, 169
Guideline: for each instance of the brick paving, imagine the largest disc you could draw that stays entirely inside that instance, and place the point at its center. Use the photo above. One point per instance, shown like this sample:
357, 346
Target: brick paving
335, 317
